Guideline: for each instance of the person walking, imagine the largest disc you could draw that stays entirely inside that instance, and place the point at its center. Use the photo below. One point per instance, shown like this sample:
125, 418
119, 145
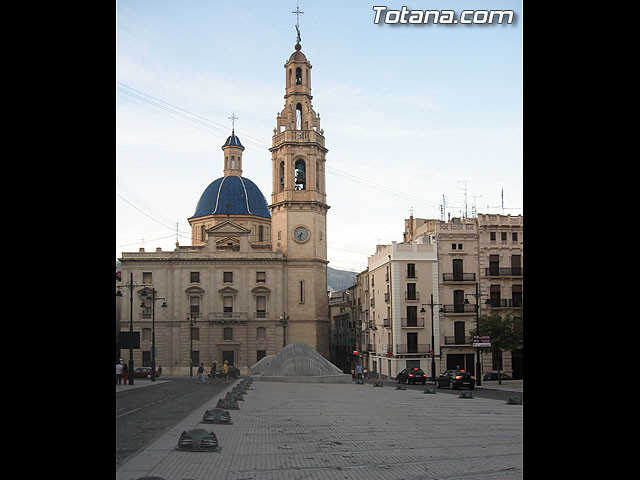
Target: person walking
225, 371
359, 373
118, 373
214, 366
125, 372
201, 374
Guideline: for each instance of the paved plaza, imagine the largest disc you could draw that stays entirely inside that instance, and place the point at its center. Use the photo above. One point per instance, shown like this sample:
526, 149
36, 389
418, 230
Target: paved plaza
345, 431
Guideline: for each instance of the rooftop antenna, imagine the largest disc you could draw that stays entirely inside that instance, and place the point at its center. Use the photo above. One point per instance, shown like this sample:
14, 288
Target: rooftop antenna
502, 197
233, 119
465, 198
297, 11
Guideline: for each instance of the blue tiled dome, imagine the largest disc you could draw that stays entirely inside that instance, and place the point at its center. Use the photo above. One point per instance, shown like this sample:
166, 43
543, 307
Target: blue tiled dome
232, 195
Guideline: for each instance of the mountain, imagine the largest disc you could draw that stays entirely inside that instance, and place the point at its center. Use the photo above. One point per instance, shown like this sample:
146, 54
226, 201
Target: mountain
339, 279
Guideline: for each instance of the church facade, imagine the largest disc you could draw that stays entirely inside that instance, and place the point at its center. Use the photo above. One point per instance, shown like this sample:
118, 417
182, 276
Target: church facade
254, 278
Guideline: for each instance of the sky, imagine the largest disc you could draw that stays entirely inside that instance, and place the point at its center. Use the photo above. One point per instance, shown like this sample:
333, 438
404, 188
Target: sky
410, 112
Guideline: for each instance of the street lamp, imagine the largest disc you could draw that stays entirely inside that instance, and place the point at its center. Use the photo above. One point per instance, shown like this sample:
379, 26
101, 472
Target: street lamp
284, 320
192, 323
153, 327
466, 301
433, 345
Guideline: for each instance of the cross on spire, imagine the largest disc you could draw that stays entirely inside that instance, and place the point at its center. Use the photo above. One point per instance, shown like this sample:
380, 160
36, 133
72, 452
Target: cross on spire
297, 11
233, 119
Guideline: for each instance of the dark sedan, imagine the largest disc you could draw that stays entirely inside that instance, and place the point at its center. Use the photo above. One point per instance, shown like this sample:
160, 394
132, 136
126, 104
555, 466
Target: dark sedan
412, 375
456, 379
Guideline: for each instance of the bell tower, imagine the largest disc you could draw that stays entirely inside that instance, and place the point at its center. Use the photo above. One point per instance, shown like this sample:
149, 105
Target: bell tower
298, 207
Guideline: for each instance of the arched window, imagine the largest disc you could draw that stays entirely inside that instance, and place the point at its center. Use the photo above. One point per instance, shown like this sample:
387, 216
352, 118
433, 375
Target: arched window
281, 174
298, 117
300, 175
298, 76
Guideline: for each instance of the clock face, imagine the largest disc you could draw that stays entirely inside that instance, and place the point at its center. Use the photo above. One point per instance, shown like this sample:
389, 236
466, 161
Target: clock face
300, 234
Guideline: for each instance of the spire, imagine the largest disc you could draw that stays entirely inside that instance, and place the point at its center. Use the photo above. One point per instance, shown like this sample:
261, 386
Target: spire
298, 12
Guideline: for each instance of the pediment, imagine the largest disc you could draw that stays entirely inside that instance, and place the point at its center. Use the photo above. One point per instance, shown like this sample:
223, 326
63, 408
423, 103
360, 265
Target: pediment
227, 228
228, 290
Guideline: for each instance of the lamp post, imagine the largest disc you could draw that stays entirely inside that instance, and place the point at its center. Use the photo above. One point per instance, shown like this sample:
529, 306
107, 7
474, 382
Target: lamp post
192, 323
433, 345
284, 320
478, 362
153, 327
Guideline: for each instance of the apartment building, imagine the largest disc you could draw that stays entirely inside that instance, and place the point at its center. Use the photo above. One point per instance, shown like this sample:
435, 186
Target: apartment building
402, 279
485, 251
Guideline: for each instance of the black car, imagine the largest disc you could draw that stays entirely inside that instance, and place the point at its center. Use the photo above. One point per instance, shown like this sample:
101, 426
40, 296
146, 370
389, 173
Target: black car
455, 379
233, 372
494, 376
412, 375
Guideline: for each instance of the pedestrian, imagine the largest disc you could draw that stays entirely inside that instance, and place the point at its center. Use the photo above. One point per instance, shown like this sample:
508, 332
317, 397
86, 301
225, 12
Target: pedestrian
118, 373
201, 374
159, 370
125, 372
214, 366
225, 371
359, 373
353, 375
365, 373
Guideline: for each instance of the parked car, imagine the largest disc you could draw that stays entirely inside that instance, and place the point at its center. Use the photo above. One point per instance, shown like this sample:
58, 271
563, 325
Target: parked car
143, 372
412, 375
455, 379
494, 376
233, 372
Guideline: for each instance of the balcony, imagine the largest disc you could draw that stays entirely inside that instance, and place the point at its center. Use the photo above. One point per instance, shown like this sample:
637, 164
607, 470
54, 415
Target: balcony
228, 317
404, 348
412, 322
386, 297
505, 303
458, 340
503, 271
412, 296
460, 308
386, 323
458, 277
261, 314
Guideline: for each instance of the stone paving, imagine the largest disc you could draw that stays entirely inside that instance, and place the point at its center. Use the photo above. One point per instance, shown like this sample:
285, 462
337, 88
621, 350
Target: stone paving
346, 431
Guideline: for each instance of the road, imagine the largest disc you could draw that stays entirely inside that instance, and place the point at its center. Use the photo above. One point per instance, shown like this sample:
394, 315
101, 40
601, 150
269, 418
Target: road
144, 414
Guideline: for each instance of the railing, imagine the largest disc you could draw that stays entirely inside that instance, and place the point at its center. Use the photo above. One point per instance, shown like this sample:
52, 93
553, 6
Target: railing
297, 135
412, 296
386, 323
458, 340
505, 303
386, 297
223, 316
503, 271
460, 308
412, 322
261, 314
403, 348
458, 277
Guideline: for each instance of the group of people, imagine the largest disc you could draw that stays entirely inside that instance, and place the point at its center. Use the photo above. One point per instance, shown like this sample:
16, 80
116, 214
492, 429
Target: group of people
122, 371
212, 373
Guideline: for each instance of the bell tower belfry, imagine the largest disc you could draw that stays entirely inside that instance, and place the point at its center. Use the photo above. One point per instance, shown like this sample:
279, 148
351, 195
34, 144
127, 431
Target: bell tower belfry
299, 209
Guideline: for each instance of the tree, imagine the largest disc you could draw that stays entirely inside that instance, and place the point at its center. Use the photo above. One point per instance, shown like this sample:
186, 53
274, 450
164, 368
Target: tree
505, 333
